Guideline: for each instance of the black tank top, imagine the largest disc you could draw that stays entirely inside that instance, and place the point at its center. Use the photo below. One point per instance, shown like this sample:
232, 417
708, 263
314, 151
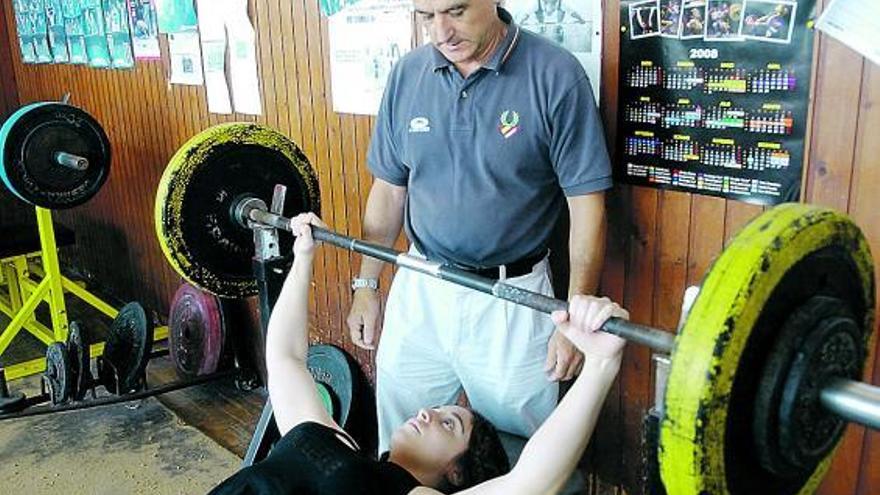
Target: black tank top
311, 459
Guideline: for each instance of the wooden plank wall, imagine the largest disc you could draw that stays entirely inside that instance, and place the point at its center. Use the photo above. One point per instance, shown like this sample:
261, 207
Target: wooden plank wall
12, 212
660, 242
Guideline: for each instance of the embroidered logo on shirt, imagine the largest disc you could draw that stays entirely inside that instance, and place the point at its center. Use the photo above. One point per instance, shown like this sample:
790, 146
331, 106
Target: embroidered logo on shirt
419, 124
509, 123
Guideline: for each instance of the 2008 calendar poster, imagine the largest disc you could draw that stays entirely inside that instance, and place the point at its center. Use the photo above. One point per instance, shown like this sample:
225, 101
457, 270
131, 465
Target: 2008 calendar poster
714, 96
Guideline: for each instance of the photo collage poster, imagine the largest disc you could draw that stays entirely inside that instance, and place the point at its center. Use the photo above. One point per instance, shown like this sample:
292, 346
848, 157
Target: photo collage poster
714, 96
574, 24
93, 32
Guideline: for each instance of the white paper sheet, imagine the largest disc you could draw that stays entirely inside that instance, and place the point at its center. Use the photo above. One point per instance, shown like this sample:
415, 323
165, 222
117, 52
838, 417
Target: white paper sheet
365, 41
855, 23
212, 30
243, 76
574, 24
186, 58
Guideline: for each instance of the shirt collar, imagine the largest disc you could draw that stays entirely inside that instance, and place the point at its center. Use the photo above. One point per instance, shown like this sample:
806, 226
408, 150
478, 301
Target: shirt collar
502, 52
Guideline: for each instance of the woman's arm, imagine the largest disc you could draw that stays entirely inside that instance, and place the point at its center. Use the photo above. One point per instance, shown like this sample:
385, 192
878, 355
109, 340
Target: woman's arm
291, 387
552, 453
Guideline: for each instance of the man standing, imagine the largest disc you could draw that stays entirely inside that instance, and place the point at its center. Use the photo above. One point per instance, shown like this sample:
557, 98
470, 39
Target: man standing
481, 140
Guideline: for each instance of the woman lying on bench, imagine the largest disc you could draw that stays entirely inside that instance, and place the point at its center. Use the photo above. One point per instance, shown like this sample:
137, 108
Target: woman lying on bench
446, 448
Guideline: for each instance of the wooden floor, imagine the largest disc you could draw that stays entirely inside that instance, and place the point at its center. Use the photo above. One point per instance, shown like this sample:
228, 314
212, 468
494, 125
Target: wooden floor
219, 409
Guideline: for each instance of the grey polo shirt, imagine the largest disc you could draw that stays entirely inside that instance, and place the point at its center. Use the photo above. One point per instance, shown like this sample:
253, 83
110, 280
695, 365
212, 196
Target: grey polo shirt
488, 160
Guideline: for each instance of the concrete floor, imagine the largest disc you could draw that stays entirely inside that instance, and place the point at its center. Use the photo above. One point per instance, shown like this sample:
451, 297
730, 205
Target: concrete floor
131, 448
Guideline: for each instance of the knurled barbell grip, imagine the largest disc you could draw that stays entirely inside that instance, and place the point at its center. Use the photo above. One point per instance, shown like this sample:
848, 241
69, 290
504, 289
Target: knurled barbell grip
657, 340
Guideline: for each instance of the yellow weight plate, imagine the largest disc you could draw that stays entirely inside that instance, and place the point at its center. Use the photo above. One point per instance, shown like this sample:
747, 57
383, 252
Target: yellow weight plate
700, 452
199, 188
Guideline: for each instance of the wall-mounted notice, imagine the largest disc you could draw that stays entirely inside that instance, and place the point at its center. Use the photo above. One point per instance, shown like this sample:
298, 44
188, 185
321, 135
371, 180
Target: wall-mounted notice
57, 36
23, 27
176, 16
186, 58
365, 41
243, 76
118, 34
713, 96
33, 31
144, 29
856, 23
96, 35
75, 30
576, 25
212, 30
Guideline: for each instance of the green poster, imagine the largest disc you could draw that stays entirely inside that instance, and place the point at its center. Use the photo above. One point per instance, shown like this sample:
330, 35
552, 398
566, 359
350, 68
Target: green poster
37, 26
118, 34
74, 29
176, 16
28, 55
95, 34
57, 36
330, 7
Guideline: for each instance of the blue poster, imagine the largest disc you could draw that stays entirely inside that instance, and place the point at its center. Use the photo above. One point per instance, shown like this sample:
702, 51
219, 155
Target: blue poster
96, 35
118, 34
30, 20
74, 29
28, 55
176, 16
57, 36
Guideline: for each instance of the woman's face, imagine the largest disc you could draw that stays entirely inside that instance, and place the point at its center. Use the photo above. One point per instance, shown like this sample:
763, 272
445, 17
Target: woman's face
434, 437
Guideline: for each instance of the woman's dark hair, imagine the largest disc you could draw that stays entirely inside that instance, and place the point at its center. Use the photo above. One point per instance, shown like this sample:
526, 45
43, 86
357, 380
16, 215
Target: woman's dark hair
484, 458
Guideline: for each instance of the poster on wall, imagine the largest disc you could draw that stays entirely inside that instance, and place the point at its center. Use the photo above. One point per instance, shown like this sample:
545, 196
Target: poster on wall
118, 34
75, 30
96, 36
33, 31
57, 36
714, 96
176, 16
212, 31
331, 7
575, 24
365, 41
243, 76
144, 29
854, 24
186, 58
23, 27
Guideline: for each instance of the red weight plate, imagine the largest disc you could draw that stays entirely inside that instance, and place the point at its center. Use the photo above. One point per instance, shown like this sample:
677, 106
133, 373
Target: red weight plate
196, 331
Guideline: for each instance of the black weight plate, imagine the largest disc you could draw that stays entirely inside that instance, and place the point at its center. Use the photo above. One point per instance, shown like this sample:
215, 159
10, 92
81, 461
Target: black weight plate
58, 373
29, 140
127, 350
330, 367
196, 332
201, 186
79, 359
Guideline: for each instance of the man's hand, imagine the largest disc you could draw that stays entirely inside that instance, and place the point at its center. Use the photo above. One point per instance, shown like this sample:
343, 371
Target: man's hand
564, 361
363, 318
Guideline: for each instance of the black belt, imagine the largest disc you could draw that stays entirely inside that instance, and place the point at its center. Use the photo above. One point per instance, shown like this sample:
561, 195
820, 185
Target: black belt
516, 268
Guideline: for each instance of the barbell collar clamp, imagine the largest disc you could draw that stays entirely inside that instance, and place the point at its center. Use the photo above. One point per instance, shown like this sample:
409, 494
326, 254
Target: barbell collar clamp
254, 210
852, 400
71, 161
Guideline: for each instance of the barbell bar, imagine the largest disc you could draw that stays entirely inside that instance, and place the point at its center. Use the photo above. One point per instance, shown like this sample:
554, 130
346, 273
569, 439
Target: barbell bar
850, 399
254, 209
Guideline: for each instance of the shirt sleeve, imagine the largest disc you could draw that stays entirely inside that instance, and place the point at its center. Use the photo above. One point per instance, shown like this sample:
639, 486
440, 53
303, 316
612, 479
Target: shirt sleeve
383, 157
577, 144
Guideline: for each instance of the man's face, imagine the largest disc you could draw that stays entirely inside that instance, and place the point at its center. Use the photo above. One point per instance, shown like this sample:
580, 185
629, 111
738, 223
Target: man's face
460, 29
